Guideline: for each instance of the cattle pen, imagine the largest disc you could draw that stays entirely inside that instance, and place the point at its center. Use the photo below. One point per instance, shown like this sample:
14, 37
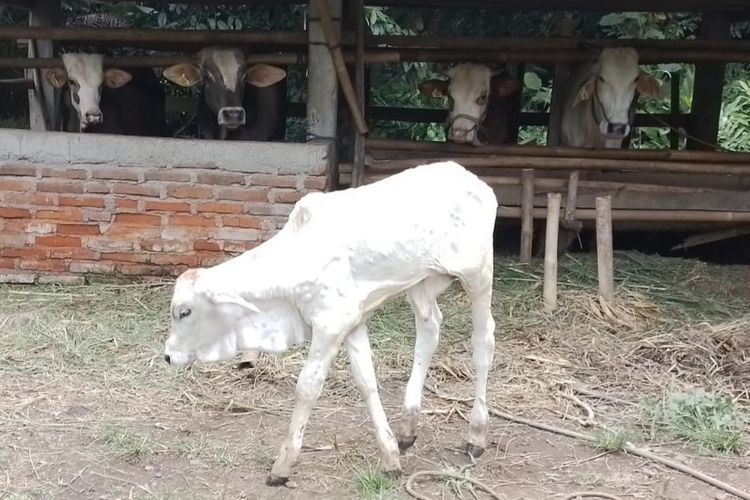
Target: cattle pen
637, 387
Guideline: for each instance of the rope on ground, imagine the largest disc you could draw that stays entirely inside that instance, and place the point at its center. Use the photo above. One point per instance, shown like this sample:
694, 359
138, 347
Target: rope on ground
591, 494
436, 473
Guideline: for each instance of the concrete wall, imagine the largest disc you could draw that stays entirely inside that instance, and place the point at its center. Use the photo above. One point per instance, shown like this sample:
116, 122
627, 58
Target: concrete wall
73, 204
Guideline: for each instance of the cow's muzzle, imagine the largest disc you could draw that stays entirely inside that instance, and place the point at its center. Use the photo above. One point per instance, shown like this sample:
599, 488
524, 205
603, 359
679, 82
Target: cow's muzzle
614, 130
232, 116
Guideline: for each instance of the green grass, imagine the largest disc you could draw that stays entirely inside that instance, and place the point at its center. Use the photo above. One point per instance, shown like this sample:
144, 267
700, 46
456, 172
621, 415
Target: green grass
372, 484
127, 444
611, 439
708, 420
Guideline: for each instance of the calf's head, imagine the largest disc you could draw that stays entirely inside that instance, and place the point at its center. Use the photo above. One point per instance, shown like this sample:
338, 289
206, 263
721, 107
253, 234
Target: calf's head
610, 90
211, 323
223, 73
84, 74
470, 87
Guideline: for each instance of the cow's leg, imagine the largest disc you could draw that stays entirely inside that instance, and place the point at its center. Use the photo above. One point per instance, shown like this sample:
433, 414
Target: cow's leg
360, 357
427, 317
323, 349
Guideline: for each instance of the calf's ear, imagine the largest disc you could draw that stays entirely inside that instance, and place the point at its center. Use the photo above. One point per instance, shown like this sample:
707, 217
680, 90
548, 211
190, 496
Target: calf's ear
586, 91
57, 77
115, 78
434, 88
648, 86
183, 74
264, 75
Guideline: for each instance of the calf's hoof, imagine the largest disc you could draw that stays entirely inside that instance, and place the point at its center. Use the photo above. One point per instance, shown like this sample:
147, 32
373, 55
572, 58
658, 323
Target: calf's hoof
404, 443
473, 450
245, 365
274, 480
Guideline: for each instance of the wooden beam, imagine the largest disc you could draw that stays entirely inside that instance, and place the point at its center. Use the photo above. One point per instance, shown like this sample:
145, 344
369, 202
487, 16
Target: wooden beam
711, 237
527, 218
692, 216
554, 134
674, 105
43, 98
709, 85
604, 254
550, 252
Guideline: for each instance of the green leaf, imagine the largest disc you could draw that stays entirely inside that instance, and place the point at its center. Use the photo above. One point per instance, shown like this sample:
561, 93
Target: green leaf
161, 20
532, 81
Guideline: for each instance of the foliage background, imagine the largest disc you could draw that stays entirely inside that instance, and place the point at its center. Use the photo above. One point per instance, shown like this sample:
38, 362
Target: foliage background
396, 84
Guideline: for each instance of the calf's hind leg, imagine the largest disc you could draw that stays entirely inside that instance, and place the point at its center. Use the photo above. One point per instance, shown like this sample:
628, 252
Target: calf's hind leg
427, 317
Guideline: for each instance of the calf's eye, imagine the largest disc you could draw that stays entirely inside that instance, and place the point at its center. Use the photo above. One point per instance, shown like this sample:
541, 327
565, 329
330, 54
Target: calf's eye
184, 312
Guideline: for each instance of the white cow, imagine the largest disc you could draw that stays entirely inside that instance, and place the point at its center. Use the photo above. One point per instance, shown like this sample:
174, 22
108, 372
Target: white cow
599, 98
339, 257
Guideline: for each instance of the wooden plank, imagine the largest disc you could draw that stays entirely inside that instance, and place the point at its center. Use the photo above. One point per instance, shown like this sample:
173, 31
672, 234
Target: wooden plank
674, 105
554, 135
709, 85
604, 253
691, 216
43, 98
527, 219
358, 172
711, 237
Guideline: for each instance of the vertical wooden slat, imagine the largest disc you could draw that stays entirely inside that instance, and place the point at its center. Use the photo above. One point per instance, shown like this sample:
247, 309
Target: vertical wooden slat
358, 165
550, 252
674, 136
604, 252
527, 214
43, 98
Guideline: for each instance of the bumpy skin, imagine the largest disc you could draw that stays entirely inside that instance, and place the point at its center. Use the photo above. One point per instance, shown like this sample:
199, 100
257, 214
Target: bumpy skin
340, 256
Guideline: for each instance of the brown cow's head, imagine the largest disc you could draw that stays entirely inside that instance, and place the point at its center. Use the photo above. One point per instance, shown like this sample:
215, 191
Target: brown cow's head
84, 74
223, 73
469, 87
611, 88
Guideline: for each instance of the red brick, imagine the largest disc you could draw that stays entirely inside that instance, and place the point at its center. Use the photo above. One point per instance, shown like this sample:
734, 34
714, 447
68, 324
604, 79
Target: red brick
159, 245
196, 192
97, 187
213, 259
175, 260
284, 196
138, 258
57, 241
136, 190
242, 194
31, 253
107, 245
67, 213
92, 267
167, 176
191, 220
221, 179
8, 264
283, 181
14, 213
73, 253
126, 204
116, 174
313, 182
60, 187
35, 199
237, 234
117, 231
206, 246
238, 246
220, 208
187, 233
21, 170
78, 229
42, 265
63, 173
41, 227
167, 206
97, 215
247, 221
137, 220
81, 201
140, 270
269, 209
16, 185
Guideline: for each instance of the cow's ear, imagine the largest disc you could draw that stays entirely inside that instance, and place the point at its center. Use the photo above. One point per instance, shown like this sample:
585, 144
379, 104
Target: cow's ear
648, 86
585, 92
183, 74
115, 78
57, 77
434, 88
264, 75
502, 86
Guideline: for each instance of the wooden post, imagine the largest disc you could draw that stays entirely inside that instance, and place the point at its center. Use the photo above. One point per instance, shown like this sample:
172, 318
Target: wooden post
572, 199
358, 169
550, 252
322, 87
554, 129
674, 136
709, 84
43, 98
527, 214
604, 253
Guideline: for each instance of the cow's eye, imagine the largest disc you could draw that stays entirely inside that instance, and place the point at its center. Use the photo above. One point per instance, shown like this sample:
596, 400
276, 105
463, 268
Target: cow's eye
601, 79
73, 82
482, 99
184, 312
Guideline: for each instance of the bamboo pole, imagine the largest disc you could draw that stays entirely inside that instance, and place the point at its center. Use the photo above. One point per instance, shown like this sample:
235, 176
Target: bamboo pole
572, 199
527, 217
582, 164
21, 83
334, 45
558, 151
358, 171
692, 216
604, 252
550, 252
282, 59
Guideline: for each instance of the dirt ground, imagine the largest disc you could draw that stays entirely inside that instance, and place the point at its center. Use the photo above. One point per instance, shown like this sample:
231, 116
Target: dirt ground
88, 408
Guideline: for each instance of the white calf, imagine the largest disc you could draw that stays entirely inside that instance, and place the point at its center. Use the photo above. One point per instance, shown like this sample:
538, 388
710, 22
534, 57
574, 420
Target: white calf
339, 257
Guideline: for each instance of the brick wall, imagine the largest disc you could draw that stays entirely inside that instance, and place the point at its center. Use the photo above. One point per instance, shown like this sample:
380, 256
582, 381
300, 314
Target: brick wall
60, 221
